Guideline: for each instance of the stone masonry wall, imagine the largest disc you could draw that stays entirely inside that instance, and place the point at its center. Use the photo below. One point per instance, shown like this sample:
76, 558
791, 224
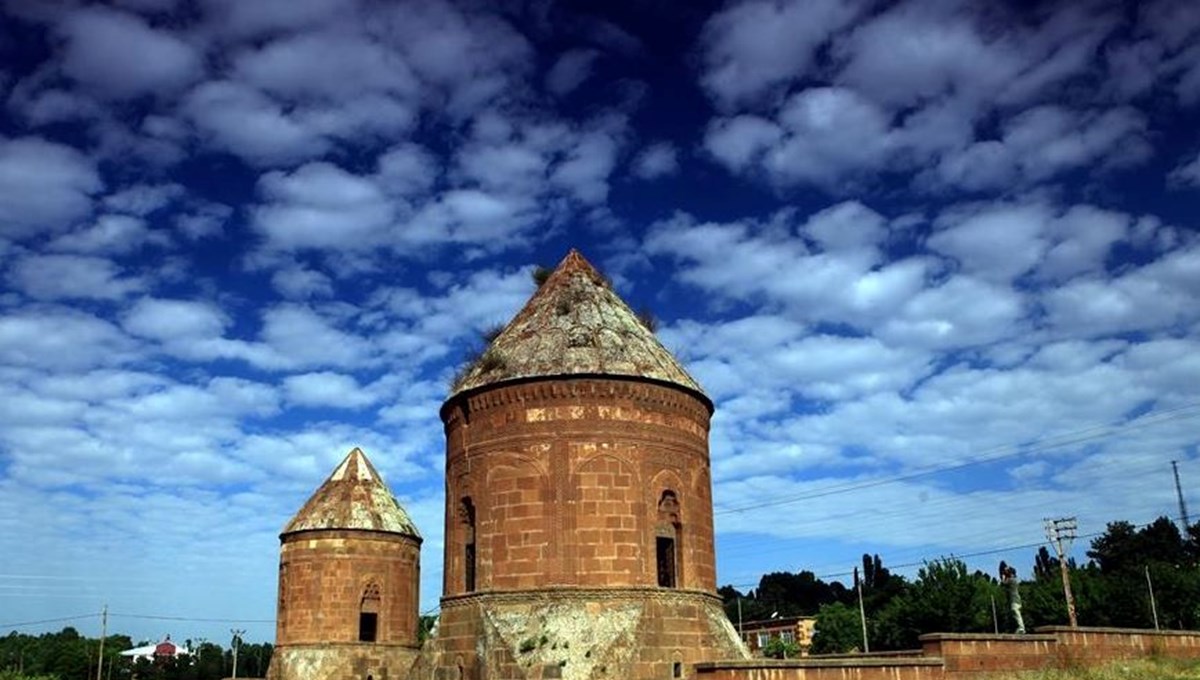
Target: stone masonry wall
946, 656
323, 576
566, 478
1110, 644
974, 653
577, 634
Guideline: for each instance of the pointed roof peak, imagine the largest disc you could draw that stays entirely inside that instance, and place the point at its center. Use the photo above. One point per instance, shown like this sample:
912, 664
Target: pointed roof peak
575, 324
353, 497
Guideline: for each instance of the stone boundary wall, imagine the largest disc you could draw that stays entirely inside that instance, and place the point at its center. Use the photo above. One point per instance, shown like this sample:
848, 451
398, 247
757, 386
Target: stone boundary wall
1086, 645
949, 656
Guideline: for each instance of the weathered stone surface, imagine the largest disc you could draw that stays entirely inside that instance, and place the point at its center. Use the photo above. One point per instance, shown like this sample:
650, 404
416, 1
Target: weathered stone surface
351, 551
354, 497
575, 325
579, 531
342, 662
578, 634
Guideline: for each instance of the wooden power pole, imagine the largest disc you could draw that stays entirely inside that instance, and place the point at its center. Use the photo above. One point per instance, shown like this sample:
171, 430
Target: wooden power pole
1061, 531
237, 642
103, 634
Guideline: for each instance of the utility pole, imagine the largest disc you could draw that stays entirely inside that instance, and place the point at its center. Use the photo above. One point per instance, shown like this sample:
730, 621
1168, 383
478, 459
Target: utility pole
237, 642
103, 634
1153, 604
862, 612
1061, 531
1179, 492
995, 619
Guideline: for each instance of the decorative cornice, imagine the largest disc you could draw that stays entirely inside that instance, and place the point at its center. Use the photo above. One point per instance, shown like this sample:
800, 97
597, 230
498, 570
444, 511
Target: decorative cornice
570, 594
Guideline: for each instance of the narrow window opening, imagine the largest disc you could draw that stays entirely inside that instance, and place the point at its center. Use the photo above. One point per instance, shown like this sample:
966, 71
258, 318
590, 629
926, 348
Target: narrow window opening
665, 548
677, 670
467, 516
367, 626
368, 614
666, 542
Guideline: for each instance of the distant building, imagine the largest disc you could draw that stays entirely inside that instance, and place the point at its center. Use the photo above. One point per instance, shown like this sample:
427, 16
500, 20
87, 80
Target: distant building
789, 629
159, 650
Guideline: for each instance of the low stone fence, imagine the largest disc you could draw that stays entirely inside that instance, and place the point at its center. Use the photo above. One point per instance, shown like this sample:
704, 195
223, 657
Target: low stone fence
818, 668
1084, 646
945, 656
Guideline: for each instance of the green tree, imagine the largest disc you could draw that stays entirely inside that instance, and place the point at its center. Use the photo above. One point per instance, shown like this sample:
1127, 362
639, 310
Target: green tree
945, 597
838, 630
778, 649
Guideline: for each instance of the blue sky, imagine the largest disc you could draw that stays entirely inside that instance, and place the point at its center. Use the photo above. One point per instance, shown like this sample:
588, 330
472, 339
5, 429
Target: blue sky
936, 262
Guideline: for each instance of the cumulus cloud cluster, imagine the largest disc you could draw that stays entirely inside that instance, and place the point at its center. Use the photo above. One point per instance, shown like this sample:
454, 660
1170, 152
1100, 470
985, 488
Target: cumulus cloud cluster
927, 255
959, 96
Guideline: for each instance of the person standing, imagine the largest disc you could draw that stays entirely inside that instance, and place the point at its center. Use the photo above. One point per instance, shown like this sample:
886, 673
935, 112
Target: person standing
1008, 578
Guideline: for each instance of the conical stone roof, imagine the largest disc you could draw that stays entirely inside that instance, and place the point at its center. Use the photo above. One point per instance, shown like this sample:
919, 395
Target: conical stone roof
354, 497
575, 325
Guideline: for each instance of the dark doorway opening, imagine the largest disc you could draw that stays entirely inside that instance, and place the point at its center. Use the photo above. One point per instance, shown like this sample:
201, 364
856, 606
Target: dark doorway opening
367, 626
665, 548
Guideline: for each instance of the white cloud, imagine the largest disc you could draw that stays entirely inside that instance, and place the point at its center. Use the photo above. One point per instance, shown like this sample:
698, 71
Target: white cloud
657, 160
327, 65
322, 206
110, 234
203, 220
585, 170
471, 59
962, 312
919, 87
407, 169
144, 199
117, 55
244, 122
1187, 173
333, 390
1048, 140
43, 185
998, 243
917, 51
570, 70
301, 337
175, 320
61, 339
72, 277
1160, 294
750, 48
846, 226
300, 283
741, 140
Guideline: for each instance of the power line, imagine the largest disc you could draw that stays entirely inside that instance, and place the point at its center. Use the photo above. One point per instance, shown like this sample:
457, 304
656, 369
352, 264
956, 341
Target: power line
742, 540
58, 620
189, 619
979, 553
1068, 439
